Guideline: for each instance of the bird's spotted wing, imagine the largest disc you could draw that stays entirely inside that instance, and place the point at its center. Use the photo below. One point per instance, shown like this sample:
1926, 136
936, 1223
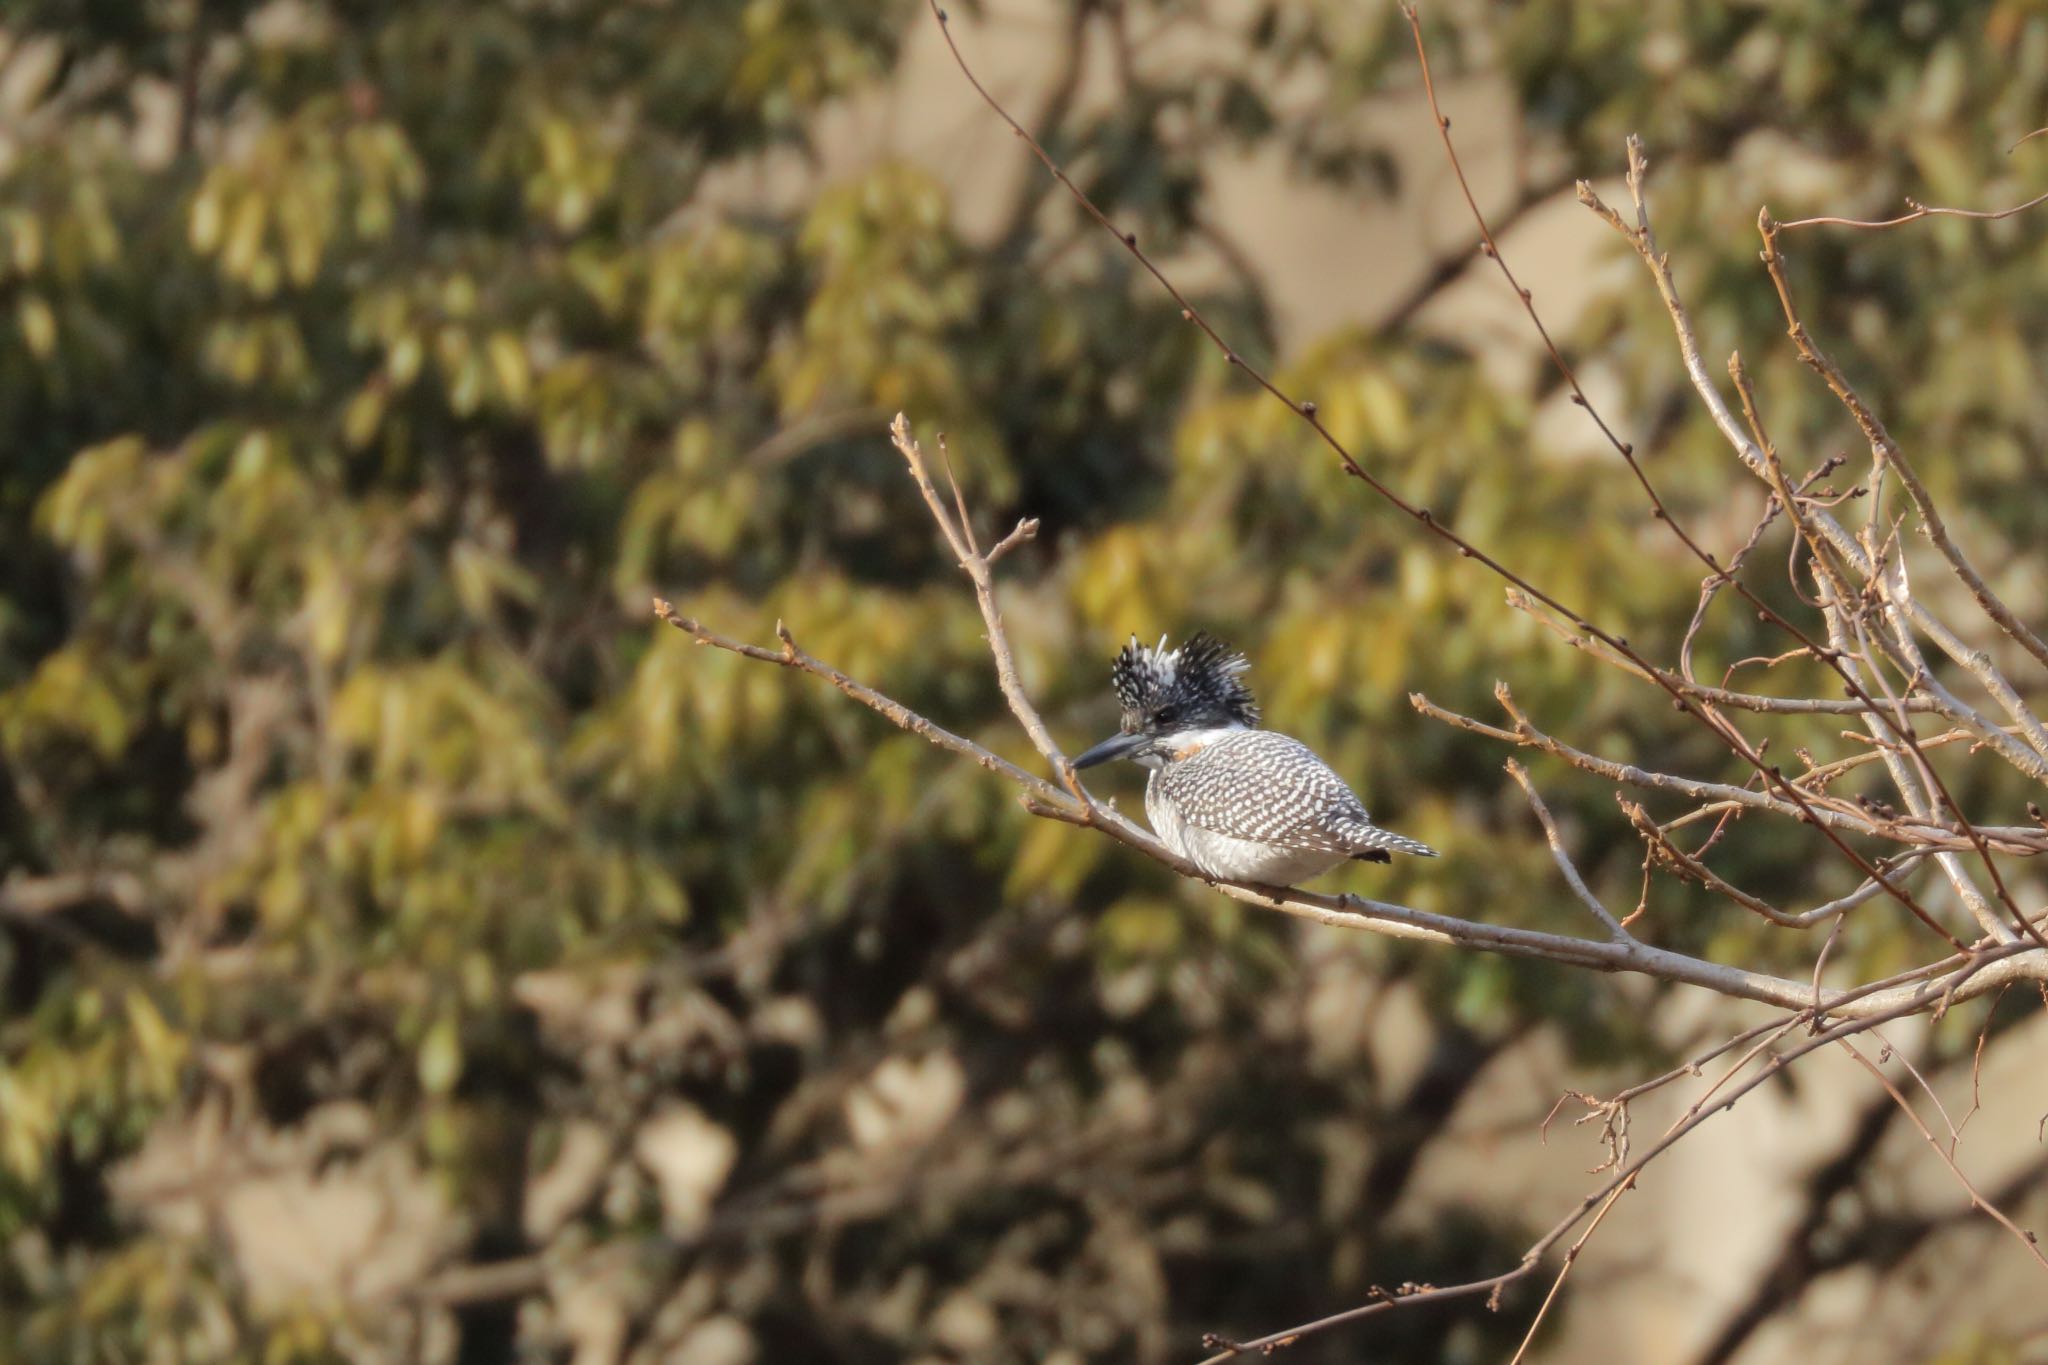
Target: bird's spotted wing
1265, 787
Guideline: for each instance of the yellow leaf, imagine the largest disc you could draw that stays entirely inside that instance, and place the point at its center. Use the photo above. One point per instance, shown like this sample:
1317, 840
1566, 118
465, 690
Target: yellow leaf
363, 416
27, 242
38, 325
508, 360
327, 608
159, 1047
204, 227
244, 237
440, 1060
403, 362
467, 390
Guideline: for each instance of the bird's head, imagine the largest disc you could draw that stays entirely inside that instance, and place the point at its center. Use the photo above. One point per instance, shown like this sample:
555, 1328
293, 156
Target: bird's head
1172, 695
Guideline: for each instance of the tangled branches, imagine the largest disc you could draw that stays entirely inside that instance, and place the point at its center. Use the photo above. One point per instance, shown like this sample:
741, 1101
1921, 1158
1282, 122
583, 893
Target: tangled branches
1879, 642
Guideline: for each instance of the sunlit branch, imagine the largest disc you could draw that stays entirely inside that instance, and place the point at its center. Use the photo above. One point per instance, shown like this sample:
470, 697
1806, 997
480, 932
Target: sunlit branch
1917, 210
1702, 1110
1815, 522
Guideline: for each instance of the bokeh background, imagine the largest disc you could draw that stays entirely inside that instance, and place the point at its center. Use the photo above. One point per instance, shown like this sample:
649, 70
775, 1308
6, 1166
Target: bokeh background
412, 951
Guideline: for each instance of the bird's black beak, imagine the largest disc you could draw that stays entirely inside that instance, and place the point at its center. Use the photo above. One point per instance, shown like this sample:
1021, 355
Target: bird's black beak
1116, 746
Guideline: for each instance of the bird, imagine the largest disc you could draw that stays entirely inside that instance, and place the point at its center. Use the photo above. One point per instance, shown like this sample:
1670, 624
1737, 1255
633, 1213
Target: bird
1240, 803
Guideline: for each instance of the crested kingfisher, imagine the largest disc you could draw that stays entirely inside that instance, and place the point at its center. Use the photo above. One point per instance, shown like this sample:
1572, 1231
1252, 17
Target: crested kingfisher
1241, 803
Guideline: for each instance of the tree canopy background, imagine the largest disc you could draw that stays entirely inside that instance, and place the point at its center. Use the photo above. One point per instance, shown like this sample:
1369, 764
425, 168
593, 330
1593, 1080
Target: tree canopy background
413, 951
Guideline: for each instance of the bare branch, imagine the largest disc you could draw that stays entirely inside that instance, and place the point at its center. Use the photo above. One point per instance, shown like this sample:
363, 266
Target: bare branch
1024, 530
1977, 1200
960, 535
1641, 237
2019, 839
1912, 785
1839, 538
1564, 861
792, 656
23, 896
1881, 443
1699, 1113
1690, 868
1918, 210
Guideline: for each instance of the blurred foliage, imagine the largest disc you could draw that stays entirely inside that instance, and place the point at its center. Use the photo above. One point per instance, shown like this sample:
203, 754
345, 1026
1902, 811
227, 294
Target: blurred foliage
412, 904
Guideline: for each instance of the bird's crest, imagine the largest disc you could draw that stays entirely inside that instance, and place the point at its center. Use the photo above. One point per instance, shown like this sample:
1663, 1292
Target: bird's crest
1203, 678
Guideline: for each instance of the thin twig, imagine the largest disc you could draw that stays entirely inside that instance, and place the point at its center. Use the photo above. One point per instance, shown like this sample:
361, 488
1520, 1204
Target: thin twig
2019, 839
1492, 1285
1881, 443
1977, 1200
1564, 860
1643, 239
793, 656
1645, 243
960, 536
1917, 210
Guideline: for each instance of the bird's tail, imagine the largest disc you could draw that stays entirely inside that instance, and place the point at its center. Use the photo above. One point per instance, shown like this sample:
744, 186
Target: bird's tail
1373, 844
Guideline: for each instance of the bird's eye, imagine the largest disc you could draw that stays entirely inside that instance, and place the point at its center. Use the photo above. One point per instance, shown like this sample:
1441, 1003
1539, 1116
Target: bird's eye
1165, 715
